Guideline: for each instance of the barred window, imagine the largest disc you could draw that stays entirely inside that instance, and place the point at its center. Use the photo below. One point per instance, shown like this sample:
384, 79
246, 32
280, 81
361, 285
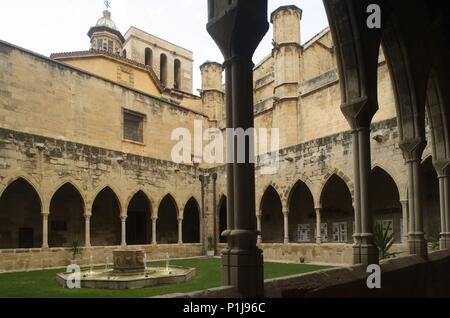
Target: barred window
133, 126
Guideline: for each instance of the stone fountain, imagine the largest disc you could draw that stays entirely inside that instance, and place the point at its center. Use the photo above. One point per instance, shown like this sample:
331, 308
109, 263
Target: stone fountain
129, 272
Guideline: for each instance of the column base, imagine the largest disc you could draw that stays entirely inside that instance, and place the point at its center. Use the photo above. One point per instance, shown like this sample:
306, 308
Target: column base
369, 254
444, 242
418, 246
244, 270
286, 241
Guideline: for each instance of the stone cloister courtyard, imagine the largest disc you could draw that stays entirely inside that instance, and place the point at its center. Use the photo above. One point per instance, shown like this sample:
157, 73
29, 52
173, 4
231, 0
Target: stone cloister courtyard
108, 187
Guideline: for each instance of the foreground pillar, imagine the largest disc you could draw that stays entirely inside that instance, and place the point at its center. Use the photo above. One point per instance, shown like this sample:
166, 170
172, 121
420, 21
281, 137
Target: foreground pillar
45, 230
238, 27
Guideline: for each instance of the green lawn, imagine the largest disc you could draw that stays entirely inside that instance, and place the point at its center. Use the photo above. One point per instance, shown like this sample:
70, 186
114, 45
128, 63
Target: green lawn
208, 275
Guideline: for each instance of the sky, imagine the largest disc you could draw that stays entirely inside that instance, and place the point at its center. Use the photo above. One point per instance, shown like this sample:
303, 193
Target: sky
52, 26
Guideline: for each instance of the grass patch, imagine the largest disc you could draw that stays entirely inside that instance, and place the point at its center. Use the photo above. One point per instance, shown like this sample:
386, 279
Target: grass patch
42, 284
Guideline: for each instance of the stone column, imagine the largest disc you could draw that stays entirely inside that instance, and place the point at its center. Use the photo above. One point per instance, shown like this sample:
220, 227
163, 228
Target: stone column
243, 263
45, 230
123, 219
405, 222
318, 226
180, 231
416, 237
444, 195
154, 219
364, 250
258, 228
356, 201
369, 252
286, 226
87, 230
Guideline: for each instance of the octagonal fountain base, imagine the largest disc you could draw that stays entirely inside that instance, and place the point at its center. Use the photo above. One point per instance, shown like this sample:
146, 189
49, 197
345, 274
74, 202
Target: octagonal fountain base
129, 272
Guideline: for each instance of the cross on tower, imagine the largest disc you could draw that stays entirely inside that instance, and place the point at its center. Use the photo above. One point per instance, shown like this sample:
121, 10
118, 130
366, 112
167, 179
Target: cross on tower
107, 4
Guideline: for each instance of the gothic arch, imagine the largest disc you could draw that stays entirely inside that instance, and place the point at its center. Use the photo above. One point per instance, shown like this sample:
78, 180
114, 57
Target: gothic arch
31, 181
113, 189
291, 187
260, 195
272, 226
74, 184
340, 174
136, 191
21, 207
191, 221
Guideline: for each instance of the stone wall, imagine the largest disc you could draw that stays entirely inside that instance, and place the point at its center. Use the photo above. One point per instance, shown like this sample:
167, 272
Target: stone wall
406, 277
32, 259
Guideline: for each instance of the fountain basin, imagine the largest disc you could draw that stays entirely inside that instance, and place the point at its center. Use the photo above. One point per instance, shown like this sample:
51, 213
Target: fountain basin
129, 272
100, 278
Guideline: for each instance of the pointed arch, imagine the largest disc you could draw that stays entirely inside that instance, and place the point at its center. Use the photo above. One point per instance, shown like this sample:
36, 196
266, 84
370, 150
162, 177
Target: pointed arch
385, 198
272, 221
139, 215
167, 223
66, 218
20, 215
105, 220
177, 74
191, 222
337, 215
302, 216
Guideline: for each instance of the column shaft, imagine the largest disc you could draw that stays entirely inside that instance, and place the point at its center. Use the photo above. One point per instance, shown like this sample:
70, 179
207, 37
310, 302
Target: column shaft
445, 211
124, 230
416, 241
258, 228
405, 220
45, 230
356, 200
87, 230
154, 219
318, 226
286, 227
180, 231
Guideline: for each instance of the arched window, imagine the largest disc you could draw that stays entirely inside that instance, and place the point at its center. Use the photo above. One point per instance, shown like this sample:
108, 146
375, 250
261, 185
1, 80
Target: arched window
124, 53
148, 57
163, 70
177, 74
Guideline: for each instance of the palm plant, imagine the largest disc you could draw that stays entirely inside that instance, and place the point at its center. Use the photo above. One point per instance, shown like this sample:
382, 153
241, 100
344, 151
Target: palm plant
75, 249
384, 240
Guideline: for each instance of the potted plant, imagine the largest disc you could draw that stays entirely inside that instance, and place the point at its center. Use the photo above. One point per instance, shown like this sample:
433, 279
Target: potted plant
75, 249
210, 246
301, 259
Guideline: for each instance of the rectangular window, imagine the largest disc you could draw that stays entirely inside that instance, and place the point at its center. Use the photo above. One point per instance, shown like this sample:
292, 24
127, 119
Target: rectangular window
110, 46
133, 126
99, 44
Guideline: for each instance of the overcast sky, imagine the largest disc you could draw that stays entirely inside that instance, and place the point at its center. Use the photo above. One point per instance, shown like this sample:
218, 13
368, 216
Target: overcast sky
51, 26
